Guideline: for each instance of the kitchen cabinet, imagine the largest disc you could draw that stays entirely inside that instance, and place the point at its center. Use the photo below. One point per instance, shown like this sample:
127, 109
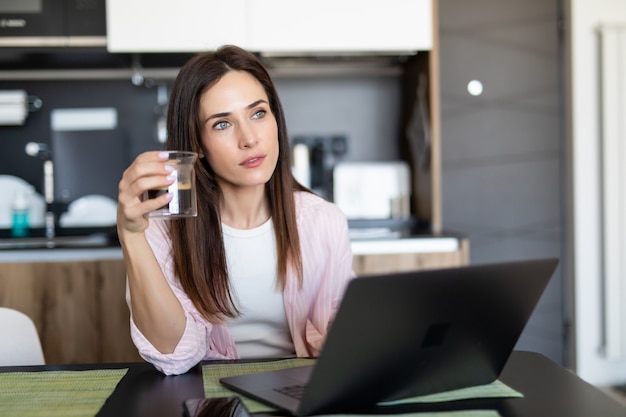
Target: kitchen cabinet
80, 310
330, 26
174, 26
78, 307
270, 27
421, 142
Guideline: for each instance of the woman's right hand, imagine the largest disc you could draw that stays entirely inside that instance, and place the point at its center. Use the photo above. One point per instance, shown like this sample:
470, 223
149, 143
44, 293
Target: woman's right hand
147, 172
155, 309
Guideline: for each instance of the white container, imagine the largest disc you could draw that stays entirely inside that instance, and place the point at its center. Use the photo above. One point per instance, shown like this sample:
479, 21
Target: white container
373, 190
301, 168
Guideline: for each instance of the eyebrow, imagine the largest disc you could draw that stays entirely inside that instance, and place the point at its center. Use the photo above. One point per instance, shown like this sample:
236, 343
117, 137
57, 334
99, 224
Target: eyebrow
224, 114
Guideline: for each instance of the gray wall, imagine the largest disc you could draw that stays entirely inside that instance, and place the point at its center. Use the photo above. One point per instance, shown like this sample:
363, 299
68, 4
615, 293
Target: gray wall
364, 108
502, 152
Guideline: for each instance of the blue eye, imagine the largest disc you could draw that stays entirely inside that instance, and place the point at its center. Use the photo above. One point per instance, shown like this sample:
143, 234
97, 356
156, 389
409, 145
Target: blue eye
220, 125
259, 115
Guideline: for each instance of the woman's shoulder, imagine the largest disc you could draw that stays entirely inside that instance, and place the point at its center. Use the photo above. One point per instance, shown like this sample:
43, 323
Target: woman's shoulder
308, 200
312, 205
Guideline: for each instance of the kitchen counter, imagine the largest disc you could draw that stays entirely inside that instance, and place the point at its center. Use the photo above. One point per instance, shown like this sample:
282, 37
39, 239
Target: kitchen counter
60, 254
360, 247
97, 245
382, 256
89, 243
425, 244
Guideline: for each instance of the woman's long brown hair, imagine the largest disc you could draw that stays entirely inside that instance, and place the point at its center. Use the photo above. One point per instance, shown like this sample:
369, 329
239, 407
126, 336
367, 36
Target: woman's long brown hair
198, 248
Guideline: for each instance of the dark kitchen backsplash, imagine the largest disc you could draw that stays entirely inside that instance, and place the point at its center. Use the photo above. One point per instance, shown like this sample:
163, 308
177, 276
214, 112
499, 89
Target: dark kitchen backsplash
135, 109
365, 109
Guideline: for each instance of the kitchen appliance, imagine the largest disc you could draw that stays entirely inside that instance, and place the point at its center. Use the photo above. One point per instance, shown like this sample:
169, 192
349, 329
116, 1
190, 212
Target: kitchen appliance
30, 23
314, 158
373, 190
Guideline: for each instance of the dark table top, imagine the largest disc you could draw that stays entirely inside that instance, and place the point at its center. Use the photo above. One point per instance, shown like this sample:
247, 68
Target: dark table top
549, 390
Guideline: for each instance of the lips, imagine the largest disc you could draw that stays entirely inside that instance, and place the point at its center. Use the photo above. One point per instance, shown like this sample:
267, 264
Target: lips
253, 161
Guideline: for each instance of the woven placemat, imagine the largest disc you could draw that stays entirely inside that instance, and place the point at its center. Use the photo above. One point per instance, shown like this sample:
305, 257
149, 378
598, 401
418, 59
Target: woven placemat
458, 413
211, 375
57, 393
496, 389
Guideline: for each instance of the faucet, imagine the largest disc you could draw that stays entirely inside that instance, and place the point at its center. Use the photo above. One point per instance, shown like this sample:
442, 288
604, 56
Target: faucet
42, 151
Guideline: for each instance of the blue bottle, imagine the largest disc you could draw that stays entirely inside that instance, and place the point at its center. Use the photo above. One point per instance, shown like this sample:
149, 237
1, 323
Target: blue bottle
20, 226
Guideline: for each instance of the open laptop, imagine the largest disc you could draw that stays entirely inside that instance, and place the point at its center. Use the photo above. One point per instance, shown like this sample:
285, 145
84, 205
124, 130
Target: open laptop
407, 334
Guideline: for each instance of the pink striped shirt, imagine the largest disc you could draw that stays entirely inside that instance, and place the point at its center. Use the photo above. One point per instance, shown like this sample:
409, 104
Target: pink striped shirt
327, 264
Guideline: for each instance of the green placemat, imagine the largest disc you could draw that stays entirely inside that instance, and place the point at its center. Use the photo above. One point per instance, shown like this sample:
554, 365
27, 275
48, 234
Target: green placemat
57, 393
460, 413
211, 375
496, 389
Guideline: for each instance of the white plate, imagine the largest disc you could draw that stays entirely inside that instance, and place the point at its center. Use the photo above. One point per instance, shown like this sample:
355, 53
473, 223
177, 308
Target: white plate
90, 210
9, 187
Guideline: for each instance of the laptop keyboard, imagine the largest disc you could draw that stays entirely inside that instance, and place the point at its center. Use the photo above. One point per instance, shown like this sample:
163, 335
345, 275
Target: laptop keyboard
294, 391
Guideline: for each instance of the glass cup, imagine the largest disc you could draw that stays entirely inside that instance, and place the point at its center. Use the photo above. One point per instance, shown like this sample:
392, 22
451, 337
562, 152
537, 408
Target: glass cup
183, 189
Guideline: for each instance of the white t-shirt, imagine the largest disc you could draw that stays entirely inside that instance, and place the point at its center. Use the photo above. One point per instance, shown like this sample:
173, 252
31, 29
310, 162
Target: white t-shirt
261, 330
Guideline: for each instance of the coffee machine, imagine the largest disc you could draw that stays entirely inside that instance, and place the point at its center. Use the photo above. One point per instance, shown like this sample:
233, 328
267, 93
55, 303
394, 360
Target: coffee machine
314, 158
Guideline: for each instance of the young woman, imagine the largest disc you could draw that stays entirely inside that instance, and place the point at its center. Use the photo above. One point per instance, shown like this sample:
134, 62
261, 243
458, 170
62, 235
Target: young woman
262, 268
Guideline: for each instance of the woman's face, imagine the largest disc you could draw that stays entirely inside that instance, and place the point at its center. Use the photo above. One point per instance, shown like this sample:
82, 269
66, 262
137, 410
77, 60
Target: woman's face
240, 134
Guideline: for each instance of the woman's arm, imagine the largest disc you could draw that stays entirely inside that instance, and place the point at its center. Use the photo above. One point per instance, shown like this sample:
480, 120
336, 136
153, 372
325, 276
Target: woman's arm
155, 310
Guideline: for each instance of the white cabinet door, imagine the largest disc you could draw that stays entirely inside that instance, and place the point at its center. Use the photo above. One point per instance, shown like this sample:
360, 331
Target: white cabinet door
270, 26
174, 26
335, 26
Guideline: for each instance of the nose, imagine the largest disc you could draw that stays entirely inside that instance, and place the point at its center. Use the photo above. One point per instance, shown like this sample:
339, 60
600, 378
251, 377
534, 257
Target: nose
247, 136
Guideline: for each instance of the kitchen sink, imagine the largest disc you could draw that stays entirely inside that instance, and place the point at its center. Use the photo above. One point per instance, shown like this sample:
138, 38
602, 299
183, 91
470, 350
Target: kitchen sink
93, 240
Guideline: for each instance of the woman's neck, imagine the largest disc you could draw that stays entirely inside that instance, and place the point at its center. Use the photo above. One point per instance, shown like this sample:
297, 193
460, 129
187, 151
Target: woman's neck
244, 208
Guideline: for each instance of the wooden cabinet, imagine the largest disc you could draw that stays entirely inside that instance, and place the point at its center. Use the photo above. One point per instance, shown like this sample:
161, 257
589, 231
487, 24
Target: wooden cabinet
79, 308
272, 26
421, 141
80, 311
